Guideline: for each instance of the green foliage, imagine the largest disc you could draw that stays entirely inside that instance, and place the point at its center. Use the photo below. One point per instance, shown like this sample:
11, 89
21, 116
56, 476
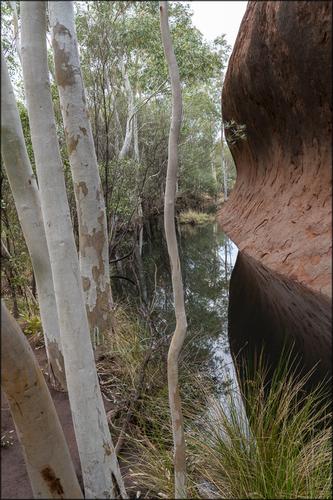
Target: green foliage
32, 323
136, 41
235, 131
9, 48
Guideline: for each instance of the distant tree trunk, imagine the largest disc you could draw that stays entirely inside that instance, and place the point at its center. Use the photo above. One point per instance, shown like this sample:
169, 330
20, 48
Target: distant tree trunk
225, 178
139, 202
27, 201
48, 461
16, 28
100, 469
93, 235
224, 165
136, 139
177, 284
117, 126
129, 123
226, 260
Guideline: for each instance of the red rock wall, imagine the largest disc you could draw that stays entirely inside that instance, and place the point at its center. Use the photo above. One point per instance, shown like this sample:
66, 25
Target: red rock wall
279, 214
278, 84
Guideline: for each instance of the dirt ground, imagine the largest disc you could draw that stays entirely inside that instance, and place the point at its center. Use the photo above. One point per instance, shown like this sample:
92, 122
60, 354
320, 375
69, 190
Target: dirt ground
14, 478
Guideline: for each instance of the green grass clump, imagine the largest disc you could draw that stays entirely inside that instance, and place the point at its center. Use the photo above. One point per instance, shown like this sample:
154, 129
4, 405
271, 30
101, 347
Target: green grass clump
282, 451
193, 217
285, 452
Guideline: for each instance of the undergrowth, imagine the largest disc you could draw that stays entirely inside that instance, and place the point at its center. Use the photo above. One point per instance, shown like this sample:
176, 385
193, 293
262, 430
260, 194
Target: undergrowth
194, 217
282, 450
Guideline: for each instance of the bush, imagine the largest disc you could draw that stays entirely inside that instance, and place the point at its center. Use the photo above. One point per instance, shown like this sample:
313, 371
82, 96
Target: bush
193, 217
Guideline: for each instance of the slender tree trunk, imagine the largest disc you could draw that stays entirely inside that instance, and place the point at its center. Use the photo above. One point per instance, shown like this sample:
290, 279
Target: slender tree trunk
96, 134
100, 469
117, 127
136, 138
8, 269
137, 160
225, 178
224, 167
49, 464
171, 238
16, 28
226, 260
93, 236
27, 201
129, 124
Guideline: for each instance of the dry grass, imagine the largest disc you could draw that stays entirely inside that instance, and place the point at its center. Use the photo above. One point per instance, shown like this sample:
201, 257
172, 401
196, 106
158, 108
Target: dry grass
193, 217
287, 454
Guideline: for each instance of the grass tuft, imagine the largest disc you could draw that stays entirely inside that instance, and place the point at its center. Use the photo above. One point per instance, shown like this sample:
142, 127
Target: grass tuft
193, 217
281, 449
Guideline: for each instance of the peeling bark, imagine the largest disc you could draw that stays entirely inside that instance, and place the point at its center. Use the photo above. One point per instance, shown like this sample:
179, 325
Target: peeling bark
48, 461
171, 239
27, 202
93, 237
89, 418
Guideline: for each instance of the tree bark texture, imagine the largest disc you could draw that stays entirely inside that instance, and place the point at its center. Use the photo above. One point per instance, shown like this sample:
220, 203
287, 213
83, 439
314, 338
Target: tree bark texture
171, 238
49, 464
27, 201
99, 464
93, 236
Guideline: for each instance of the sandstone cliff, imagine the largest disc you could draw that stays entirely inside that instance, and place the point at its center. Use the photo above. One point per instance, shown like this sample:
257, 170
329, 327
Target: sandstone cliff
278, 85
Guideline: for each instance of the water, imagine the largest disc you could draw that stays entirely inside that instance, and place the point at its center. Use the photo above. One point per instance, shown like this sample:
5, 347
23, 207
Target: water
207, 257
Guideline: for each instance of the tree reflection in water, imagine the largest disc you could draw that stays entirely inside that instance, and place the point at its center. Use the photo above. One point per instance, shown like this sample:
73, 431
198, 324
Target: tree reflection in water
207, 257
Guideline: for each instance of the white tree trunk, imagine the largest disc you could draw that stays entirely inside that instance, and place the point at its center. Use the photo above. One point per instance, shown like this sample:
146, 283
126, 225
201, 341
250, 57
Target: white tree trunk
129, 123
16, 28
27, 201
100, 470
171, 238
225, 178
137, 160
136, 139
117, 126
224, 166
93, 235
49, 464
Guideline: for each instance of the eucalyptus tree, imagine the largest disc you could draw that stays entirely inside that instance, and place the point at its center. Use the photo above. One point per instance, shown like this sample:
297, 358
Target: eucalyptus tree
93, 235
46, 454
171, 239
100, 469
27, 201
111, 94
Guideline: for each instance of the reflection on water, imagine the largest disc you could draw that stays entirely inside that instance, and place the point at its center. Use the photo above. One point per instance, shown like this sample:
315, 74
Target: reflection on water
207, 257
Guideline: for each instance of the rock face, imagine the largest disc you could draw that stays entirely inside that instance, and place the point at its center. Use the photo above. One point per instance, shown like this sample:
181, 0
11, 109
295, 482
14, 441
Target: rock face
278, 85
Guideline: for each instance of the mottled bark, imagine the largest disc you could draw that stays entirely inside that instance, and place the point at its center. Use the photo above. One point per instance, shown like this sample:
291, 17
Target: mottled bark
100, 469
27, 202
48, 461
93, 237
171, 238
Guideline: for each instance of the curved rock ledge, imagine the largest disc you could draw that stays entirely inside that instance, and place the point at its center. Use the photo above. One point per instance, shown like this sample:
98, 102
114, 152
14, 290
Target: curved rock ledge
278, 85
